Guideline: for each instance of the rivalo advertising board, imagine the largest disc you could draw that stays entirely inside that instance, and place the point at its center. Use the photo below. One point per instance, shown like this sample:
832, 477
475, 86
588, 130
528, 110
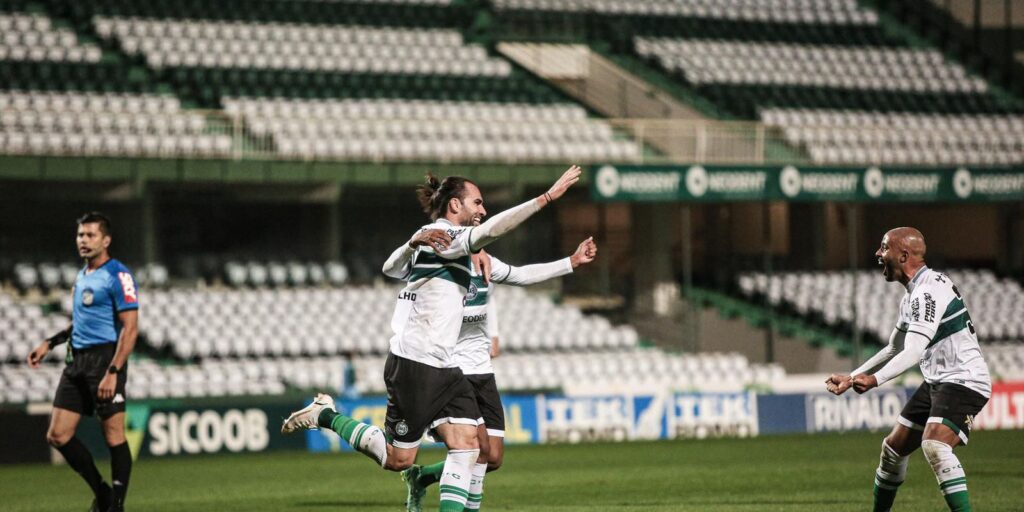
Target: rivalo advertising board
1005, 409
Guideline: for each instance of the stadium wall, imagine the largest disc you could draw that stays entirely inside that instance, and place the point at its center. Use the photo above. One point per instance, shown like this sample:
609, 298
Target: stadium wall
167, 429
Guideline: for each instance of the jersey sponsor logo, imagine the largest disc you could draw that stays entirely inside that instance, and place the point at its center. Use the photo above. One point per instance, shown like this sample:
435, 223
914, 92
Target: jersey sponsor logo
915, 309
88, 297
410, 296
929, 308
474, 318
128, 287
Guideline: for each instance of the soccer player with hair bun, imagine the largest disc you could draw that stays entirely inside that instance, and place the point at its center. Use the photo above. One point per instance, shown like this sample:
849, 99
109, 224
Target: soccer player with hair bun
426, 389
475, 347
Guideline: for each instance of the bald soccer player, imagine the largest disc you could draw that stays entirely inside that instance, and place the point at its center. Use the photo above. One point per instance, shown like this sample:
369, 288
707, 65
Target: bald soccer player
934, 330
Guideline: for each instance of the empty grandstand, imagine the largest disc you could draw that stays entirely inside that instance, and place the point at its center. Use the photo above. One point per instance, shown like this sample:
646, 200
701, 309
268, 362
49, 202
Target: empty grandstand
742, 159
273, 332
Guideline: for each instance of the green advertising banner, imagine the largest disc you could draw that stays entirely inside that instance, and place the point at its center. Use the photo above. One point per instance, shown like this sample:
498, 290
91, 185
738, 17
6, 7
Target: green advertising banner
163, 430
700, 183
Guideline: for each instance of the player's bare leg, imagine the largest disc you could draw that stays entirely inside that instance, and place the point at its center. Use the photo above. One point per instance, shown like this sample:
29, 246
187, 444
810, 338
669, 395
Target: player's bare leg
61, 436
497, 453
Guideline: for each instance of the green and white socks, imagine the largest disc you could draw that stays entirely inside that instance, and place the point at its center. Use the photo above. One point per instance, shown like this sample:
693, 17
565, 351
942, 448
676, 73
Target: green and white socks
366, 439
476, 486
892, 470
456, 479
431, 474
949, 473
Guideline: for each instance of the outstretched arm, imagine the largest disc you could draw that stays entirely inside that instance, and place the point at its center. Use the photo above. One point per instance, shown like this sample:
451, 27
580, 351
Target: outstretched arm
506, 221
532, 274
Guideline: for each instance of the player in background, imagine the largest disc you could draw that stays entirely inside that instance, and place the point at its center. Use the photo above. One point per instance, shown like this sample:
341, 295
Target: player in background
473, 354
934, 330
102, 334
426, 390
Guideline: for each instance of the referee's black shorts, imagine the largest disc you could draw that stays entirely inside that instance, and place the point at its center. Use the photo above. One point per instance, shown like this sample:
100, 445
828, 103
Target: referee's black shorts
80, 382
421, 397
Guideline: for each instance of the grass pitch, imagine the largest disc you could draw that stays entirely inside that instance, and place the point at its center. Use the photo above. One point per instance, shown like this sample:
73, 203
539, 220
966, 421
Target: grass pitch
798, 473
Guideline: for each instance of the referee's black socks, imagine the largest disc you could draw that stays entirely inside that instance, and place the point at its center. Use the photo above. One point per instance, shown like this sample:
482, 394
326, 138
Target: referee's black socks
80, 460
120, 471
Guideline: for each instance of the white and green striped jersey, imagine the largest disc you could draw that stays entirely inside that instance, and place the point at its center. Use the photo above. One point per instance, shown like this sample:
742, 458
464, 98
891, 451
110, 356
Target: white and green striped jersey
428, 314
934, 308
473, 352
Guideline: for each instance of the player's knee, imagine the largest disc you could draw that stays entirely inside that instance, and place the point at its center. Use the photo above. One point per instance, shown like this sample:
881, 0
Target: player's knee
398, 465
494, 461
935, 451
57, 439
114, 438
464, 440
399, 461
897, 446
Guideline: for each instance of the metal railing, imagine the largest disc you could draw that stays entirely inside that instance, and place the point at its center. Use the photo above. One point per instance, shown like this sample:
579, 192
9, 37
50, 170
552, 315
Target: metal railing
224, 136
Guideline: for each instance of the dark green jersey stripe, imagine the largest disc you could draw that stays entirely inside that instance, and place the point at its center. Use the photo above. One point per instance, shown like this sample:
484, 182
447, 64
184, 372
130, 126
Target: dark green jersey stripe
950, 327
448, 273
431, 258
954, 306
